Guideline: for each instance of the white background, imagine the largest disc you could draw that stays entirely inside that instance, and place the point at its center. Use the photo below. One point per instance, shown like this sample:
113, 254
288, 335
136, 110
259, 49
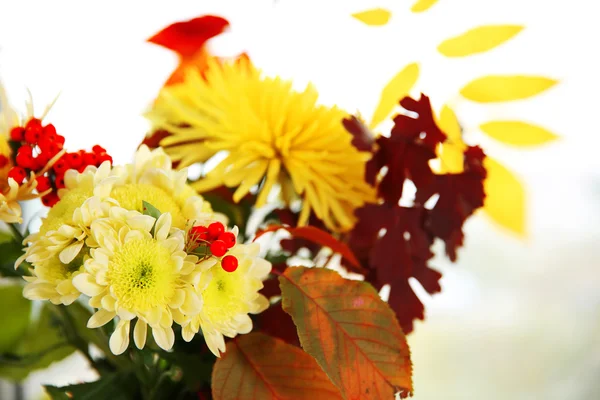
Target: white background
517, 319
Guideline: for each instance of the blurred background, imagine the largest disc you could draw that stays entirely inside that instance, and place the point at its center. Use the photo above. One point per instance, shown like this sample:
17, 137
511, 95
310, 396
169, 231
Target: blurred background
519, 314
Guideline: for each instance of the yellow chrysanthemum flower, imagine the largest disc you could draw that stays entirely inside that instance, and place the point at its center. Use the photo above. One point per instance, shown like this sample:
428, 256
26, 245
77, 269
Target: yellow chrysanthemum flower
271, 133
229, 297
140, 270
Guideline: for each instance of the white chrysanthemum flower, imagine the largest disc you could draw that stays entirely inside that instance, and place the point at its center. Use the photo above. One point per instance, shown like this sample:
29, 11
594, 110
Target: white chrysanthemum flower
229, 297
135, 273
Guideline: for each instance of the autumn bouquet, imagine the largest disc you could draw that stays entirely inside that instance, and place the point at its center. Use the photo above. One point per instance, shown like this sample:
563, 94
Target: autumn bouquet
241, 253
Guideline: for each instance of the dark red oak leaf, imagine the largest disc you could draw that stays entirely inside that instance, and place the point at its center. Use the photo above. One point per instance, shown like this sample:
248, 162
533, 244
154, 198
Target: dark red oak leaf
459, 196
406, 153
362, 137
394, 242
391, 240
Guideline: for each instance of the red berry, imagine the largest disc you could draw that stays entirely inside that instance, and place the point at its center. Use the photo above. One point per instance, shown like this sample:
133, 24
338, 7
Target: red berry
43, 183
74, 160
33, 122
50, 132
104, 157
89, 159
228, 238
60, 140
59, 181
60, 166
3, 161
199, 234
218, 248
17, 133
82, 168
18, 174
41, 160
49, 147
98, 149
215, 229
229, 263
25, 158
50, 199
33, 133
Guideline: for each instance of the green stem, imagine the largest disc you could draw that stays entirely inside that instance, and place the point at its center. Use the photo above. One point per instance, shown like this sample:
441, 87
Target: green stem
16, 233
74, 338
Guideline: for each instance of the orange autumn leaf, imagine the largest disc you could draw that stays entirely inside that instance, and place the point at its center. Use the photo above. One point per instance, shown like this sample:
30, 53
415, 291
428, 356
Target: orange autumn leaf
258, 366
188, 40
352, 333
320, 237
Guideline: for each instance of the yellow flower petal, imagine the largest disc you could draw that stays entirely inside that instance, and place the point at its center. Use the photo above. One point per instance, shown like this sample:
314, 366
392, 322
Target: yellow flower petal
498, 88
100, 318
517, 133
505, 197
478, 40
422, 5
119, 340
164, 337
86, 284
139, 334
451, 152
373, 17
396, 89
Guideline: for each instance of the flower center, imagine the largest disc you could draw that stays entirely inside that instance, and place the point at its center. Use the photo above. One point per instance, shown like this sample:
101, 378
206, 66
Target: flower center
142, 275
54, 270
62, 212
226, 295
131, 196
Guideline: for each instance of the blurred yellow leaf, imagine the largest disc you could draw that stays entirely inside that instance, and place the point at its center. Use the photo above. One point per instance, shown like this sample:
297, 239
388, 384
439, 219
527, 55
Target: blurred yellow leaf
517, 133
373, 17
478, 40
422, 5
396, 89
505, 197
498, 88
451, 152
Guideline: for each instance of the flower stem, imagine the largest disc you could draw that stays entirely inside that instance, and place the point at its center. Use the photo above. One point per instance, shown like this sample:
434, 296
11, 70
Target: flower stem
16, 232
73, 337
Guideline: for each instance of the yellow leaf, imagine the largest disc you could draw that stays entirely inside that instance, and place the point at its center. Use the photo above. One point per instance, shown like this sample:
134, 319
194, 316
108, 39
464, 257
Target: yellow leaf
373, 17
505, 197
478, 40
517, 133
498, 88
396, 89
422, 5
451, 152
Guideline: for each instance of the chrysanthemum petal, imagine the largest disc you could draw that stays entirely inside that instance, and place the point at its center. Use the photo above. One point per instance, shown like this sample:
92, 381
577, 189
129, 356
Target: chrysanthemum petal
87, 285
164, 337
139, 334
119, 340
100, 318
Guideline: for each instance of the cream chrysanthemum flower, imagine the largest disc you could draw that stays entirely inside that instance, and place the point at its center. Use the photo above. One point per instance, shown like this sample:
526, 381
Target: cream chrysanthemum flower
271, 133
57, 256
140, 270
229, 297
149, 178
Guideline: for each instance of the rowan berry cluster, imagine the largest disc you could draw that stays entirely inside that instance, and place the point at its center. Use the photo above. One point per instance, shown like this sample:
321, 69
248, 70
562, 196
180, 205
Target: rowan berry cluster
34, 146
214, 238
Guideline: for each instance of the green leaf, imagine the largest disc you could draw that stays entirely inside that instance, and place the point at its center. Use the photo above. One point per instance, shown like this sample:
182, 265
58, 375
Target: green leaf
42, 344
15, 315
150, 210
350, 331
10, 250
116, 386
